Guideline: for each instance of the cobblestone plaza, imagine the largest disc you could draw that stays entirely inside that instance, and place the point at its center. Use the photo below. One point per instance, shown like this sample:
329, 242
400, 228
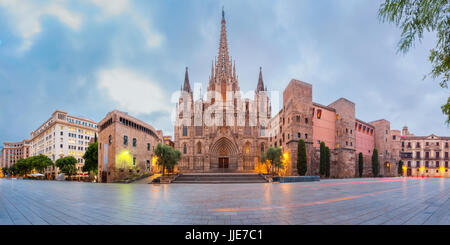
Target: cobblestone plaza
340, 202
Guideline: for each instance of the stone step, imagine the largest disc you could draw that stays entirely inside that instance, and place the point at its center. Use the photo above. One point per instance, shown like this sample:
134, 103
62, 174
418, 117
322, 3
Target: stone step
219, 178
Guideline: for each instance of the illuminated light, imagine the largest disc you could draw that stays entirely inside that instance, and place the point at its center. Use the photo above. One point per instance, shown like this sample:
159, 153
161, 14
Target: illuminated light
442, 169
422, 169
124, 159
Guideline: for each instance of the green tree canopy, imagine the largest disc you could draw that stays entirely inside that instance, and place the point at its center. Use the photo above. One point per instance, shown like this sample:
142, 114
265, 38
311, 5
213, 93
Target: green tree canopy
40, 162
167, 157
375, 164
360, 164
301, 158
415, 17
91, 158
322, 166
272, 157
67, 165
400, 168
327, 161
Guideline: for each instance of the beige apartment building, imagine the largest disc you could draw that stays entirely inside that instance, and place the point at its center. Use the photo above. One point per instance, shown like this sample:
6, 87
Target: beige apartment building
13, 151
125, 147
425, 155
60, 136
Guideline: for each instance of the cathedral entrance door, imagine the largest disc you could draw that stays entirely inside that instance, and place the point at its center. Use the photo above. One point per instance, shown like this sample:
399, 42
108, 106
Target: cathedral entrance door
223, 162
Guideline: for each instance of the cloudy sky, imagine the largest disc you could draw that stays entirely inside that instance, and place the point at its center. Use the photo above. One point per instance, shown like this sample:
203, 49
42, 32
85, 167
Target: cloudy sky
89, 57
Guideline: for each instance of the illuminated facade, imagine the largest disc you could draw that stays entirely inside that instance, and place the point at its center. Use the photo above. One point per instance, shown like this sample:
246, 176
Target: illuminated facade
226, 133
425, 155
125, 147
60, 136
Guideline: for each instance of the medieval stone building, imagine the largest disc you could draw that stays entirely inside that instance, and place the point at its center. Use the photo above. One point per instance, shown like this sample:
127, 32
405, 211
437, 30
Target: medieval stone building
225, 132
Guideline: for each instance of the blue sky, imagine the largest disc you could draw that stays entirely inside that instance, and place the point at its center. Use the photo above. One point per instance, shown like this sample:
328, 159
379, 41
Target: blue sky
89, 57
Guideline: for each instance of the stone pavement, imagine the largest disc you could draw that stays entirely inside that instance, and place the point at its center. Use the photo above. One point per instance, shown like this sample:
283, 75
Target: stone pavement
345, 201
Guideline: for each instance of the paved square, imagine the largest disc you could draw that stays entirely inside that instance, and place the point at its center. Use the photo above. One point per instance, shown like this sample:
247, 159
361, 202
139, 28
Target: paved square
345, 201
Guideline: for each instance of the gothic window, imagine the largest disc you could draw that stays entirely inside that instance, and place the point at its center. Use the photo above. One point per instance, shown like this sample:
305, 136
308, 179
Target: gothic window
298, 118
199, 148
306, 120
184, 149
262, 147
247, 148
185, 131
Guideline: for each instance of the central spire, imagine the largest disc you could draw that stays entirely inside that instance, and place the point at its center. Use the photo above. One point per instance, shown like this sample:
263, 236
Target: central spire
223, 60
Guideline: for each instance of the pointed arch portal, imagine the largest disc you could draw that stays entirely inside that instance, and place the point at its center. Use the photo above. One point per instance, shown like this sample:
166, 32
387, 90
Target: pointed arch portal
223, 156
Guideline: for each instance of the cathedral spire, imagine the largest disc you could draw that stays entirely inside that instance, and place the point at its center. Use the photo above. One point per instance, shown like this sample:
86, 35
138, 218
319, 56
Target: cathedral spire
187, 85
260, 86
223, 63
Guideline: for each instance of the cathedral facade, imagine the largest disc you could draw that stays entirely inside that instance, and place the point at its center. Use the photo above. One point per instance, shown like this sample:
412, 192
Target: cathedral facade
225, 132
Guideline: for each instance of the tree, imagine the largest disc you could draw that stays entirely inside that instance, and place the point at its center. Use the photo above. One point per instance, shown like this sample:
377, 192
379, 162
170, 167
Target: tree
375, 164
400, 168
272, 157
12, 170
23, 166
327, 161
5, 171
416, 16
322, 166
67, 165
40, 162
301, 158
360, 164
91, 159
167, 157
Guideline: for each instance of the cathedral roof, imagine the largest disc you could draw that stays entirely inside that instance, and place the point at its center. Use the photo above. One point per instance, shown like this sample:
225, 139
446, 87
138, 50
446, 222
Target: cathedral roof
187, 85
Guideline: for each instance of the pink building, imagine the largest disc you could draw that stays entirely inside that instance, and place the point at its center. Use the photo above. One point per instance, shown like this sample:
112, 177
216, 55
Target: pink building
324, 125
365, 139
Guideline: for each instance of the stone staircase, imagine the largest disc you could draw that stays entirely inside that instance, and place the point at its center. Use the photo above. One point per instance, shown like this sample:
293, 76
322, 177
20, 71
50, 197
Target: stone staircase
219, 178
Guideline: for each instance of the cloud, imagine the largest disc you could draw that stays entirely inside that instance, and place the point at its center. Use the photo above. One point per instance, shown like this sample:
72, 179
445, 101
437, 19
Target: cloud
114, 8
133, 92
26, 16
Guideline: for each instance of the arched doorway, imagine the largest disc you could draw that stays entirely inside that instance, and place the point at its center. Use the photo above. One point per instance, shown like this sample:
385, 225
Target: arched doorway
223, 156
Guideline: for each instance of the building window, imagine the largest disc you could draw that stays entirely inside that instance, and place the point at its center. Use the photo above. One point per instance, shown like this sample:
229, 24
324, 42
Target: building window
306, 120
297, 118
437, 164
110, 140
185, 133
184, 149
299, 135
148, 146
148, 165
134, 142
306, 136
319, 113
199, 148
134, 161
125, 140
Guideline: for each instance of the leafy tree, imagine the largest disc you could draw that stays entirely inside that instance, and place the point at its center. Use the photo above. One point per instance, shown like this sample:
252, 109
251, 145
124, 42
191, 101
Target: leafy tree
400, 168
40, 162
272, 157
12, 170
416, 16
301, 158
67, 165
5, 171
375, 164
327, 162
167, 157
322, 166
91, 158
23, 166
360, 164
